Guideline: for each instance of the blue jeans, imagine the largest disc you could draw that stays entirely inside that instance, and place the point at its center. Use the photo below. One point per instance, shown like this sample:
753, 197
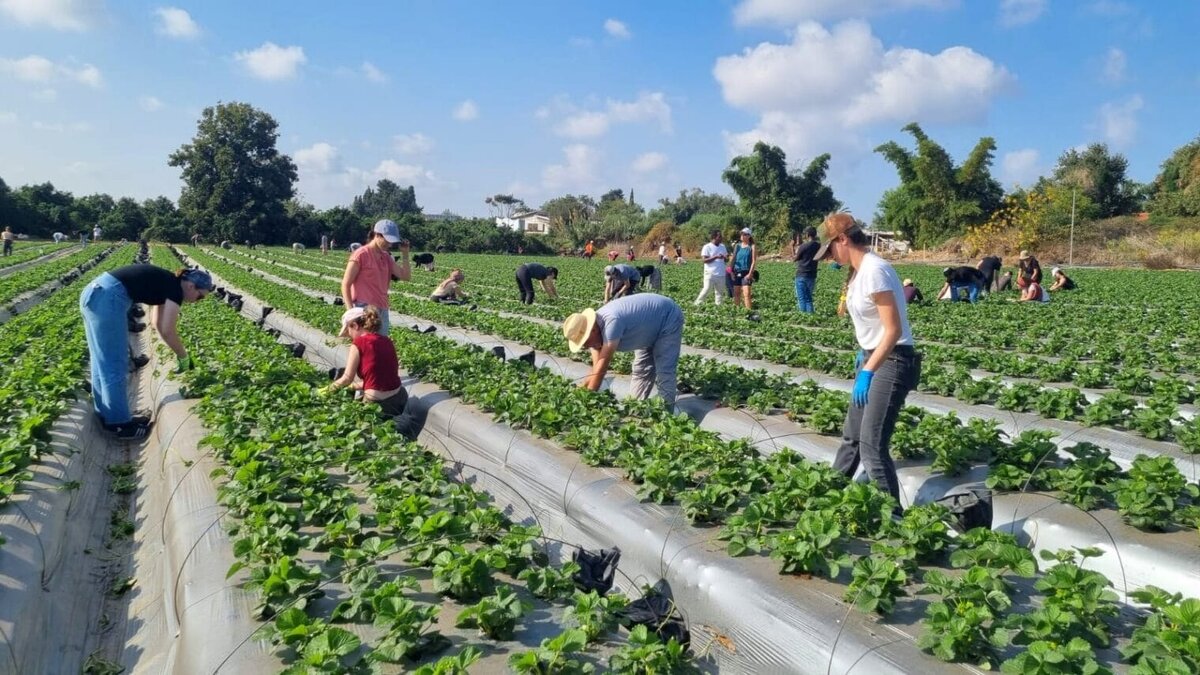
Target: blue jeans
105, 308
804, 291
972, 291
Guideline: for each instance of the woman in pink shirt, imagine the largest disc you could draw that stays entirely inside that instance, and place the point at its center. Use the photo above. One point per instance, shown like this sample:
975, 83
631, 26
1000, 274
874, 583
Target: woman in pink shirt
371, 268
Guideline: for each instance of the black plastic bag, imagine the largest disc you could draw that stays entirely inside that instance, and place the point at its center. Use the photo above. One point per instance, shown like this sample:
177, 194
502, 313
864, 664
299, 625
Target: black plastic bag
970, 509
596, 570
656, 610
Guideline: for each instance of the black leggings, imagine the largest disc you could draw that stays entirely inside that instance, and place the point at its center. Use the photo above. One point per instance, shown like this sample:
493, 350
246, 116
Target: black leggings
525, 285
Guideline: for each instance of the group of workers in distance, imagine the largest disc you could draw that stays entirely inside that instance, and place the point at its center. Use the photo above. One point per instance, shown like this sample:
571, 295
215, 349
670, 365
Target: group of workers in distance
972, 282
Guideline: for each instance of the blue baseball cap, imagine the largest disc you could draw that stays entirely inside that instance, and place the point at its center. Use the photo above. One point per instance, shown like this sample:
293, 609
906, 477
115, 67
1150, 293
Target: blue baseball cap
389, 230
200, 279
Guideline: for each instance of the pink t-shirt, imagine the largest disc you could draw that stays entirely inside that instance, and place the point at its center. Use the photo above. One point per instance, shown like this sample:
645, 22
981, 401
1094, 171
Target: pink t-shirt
375, 269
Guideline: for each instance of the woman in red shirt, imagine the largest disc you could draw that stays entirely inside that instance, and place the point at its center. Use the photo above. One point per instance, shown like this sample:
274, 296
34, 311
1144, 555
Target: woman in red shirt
372, 359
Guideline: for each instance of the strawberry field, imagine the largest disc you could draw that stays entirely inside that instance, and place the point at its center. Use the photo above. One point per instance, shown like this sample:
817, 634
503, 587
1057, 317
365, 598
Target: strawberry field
327, 543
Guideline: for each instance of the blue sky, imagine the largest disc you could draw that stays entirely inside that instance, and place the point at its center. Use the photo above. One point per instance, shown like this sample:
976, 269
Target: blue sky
465, 99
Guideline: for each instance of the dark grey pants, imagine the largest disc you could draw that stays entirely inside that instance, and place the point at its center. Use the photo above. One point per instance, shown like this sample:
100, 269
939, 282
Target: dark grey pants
867, 435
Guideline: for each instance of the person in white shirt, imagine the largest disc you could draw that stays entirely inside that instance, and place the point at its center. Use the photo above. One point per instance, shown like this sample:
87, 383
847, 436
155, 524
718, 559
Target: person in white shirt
96, 232
713, 254
888, 365
662, 254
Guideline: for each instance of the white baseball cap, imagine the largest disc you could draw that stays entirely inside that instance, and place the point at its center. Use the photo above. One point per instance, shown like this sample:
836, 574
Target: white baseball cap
389, 230
746, 230
350, 315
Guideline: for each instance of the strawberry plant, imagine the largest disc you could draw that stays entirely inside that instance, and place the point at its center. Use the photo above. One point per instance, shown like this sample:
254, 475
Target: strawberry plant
1019, 397
459, 664
1169, 640
1188, 434
1154, 420
596, 615
1084, 480
286, 582
994, 551
495, 616
553, 656
1082, 598
646, 654
925, 528
465, 575
1053, 658
875, 584
745, 531
407, 627
864, 509
1111, 409
813, 546
1152, 493
963, 625
1060, 404
550, 583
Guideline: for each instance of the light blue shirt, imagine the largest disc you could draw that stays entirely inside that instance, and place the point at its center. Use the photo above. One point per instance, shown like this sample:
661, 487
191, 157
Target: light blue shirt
638, 320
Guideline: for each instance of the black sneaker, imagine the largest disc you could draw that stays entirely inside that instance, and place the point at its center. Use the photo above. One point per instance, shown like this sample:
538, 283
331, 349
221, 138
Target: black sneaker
141, 417
136, 327
131, 431
140, 361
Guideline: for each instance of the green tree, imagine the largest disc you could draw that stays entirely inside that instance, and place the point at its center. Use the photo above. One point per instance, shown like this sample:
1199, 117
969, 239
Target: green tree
386, 200
571, 219
935, 199
235, 180
1100, 175
503, 206
42, 210
691, 203
780, 203
126, 220
612, 197
164, 222
1176, 189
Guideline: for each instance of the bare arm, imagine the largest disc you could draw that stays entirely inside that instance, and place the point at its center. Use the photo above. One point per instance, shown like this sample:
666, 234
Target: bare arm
753, 258
347, 280
166, 319
889, 315
548, 285
347, 378
402, 271
601, 358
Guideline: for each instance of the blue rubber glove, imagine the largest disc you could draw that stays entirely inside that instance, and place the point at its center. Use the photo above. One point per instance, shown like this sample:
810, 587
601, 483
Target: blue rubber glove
862, 387
835, 265
860, 358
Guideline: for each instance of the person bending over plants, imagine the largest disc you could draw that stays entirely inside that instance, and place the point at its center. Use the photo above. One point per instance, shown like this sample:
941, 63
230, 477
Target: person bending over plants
527, 273
448, 292
105, 305
649, 325
888, 365
620, 280
372, 360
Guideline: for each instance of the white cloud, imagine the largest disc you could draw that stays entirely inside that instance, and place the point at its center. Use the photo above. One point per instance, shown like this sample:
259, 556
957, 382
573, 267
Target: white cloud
1114, 66
272, 62
824, 89
1020, 12
317, 158
36, 68
74, 15
31, 68
791, 12
1020, 167
1118, 120
150, 103
466, 111
578, 172
403, 174
8, 117
412, 144
649, 162
176, 23
617, 29
373, 73
648, 107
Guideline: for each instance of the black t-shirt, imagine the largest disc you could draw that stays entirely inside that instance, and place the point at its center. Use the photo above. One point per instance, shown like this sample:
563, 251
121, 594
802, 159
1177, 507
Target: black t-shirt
1068, 283
149, 285
965, 275
1030, 269
805, 265
537, 271
990, 265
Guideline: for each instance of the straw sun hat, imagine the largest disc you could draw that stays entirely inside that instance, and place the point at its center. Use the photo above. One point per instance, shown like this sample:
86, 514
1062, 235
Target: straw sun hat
578, 327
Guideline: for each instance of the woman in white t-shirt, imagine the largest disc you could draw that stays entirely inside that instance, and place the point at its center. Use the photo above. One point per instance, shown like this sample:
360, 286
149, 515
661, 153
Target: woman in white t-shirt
887, 367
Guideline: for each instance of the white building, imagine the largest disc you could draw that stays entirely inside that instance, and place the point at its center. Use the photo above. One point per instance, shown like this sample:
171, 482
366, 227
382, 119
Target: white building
529, 222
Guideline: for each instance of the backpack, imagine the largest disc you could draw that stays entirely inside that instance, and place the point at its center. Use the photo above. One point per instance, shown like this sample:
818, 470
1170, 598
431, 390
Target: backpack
970, 509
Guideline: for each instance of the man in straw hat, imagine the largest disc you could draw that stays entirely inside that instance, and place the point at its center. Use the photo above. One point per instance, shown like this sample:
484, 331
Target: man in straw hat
650, 326
1030, 271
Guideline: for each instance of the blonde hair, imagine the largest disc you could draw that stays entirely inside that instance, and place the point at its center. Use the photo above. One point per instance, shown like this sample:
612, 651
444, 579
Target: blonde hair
369, 321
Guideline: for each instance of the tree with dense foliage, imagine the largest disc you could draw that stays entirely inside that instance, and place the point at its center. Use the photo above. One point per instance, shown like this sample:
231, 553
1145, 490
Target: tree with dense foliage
571, 219
1100, 175
1176, 189
504, 206
780, 203
235, 180
691, 203
935, 199
386, 200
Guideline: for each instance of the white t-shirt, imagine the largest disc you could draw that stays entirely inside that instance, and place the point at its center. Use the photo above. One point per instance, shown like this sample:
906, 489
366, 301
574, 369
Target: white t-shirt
715, 267
875, 276
662, 250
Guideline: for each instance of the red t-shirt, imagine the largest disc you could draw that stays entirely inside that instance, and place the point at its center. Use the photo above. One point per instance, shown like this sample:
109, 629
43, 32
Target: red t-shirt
377, 366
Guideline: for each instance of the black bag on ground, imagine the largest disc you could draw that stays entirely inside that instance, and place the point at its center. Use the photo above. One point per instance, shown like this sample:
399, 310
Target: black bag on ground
970, 509
656, 610
596, 570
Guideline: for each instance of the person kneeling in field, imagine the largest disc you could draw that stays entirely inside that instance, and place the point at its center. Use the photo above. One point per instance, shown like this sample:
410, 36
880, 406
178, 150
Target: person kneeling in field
448, 292
372, 359
649, 325
1034, 293
1062, 282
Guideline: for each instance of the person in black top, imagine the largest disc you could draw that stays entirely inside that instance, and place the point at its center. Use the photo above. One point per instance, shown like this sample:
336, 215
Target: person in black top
105, 305
990, 266
960, 279
528, 272
1029, 270
806, 270
1062, 282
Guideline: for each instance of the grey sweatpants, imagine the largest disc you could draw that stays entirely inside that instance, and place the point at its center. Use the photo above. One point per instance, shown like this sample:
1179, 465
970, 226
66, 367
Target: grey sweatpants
867, 435
658, 365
